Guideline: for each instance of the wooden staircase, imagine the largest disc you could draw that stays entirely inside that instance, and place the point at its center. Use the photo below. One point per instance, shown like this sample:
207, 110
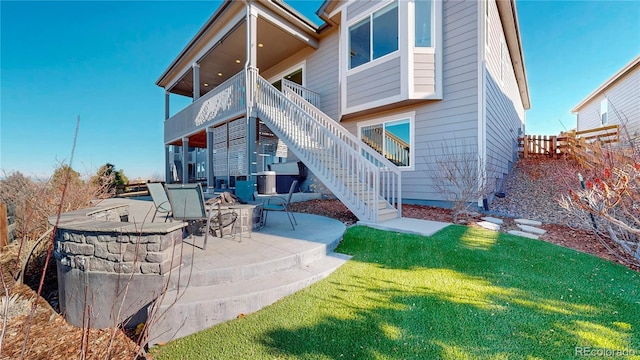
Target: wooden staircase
364, 180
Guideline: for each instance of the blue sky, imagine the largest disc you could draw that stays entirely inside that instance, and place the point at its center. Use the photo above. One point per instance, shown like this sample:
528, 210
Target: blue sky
100, 61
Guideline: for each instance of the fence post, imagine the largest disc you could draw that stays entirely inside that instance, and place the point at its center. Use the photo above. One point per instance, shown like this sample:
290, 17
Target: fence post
4, 227
525, 146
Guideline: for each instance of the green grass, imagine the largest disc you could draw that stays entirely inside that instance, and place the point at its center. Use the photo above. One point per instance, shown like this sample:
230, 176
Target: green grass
463, 293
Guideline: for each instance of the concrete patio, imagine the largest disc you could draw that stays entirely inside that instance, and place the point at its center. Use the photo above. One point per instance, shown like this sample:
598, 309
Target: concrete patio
242, 274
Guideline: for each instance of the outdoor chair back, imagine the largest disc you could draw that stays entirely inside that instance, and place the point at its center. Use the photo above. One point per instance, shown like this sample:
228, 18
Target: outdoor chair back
282, 206
187, 204
160, 200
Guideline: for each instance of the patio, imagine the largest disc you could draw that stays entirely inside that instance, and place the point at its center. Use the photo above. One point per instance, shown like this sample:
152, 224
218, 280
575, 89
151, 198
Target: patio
238, 275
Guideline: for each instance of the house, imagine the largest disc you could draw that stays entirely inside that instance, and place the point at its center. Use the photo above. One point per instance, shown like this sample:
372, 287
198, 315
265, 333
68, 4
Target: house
615, 102
367, 100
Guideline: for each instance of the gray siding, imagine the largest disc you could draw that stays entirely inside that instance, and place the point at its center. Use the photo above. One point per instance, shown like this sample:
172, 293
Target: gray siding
623, 107
323, 75
357, 8
503, 104
424, 74
453, 121
377, 83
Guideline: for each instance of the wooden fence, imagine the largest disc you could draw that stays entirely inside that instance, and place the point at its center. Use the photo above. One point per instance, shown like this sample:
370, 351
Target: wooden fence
566, 143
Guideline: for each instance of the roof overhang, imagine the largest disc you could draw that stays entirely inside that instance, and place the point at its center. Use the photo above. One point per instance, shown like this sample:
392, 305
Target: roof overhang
633, 64
219, 47
511, 28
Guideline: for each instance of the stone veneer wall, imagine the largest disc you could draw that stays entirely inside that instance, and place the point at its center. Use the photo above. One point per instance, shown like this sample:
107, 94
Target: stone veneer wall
99, 254
115, 251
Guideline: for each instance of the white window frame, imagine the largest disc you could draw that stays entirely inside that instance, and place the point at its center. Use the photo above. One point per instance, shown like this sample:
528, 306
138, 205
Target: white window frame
604, 111
281, 75
371, 61
433, 26
392, 118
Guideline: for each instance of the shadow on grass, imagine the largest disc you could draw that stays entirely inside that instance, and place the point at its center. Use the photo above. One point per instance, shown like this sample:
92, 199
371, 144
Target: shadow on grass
466, 293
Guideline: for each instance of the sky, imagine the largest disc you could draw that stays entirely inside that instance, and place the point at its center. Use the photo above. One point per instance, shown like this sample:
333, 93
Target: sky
99, 61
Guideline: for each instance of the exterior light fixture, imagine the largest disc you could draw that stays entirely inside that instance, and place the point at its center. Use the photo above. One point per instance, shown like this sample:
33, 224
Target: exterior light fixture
237, 61
219, 74
260, 45
205, 84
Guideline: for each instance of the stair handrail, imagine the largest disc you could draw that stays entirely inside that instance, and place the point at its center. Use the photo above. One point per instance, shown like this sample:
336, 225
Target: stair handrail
354, 142
311, 96
303, 141
339, 131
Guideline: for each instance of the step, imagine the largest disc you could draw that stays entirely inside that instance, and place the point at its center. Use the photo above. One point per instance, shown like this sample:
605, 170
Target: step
200, 307
523, 234
387, 214
489, 225
493, 220
382, 204
206, 273
528, 222
531, 229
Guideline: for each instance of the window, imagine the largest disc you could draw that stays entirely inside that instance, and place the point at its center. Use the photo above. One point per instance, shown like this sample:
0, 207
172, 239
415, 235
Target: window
604, 109
423, 11
374, 37
392, 139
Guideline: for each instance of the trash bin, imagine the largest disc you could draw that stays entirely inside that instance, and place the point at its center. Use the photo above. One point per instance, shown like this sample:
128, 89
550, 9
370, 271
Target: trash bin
267, 182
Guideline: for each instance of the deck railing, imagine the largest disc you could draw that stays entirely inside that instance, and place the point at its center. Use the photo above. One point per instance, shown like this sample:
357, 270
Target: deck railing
307, 94
330, 151
224, 101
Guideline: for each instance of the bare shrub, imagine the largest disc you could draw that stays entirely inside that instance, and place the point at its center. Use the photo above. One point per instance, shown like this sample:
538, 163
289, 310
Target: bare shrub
460, 175
608, 197
34, 202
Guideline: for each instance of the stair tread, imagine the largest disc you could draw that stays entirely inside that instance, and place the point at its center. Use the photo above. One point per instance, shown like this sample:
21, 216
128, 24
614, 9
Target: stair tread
217, 292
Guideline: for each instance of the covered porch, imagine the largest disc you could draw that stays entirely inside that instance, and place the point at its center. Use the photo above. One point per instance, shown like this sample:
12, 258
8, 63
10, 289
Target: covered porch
218, 140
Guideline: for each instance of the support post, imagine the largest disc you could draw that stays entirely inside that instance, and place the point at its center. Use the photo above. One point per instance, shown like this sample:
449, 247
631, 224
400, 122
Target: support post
210, 174
196, 81
168, 163
185, 160
166, 105
252, 148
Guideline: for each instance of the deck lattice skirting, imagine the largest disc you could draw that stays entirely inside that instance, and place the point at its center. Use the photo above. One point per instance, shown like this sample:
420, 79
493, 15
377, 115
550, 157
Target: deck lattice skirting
99, 254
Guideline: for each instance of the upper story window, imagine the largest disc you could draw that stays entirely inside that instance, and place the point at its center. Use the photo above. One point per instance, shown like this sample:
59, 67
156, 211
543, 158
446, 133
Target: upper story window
604, 109
423, 17
374, 37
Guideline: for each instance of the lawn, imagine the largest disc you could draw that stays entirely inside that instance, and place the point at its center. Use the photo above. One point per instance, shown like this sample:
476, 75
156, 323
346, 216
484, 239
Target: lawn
463, 293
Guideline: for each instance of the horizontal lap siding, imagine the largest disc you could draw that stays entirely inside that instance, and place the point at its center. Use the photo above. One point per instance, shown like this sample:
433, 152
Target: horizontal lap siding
623, 107
503, 105
377, 83
358, 8
453, 121
424, 73
323, 76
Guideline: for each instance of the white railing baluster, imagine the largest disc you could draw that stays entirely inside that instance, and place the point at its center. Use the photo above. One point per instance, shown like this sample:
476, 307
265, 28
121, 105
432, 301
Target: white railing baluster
330, 152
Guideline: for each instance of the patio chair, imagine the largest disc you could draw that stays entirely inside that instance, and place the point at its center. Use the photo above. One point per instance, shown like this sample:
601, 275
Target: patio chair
160, 200
188, 205
283, 206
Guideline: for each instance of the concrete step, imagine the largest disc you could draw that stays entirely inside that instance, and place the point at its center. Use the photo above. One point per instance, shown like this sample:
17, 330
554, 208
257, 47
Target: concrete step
493, 220
532, 230
200, 307
528, 222
489, 225
523, 234
212, 275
